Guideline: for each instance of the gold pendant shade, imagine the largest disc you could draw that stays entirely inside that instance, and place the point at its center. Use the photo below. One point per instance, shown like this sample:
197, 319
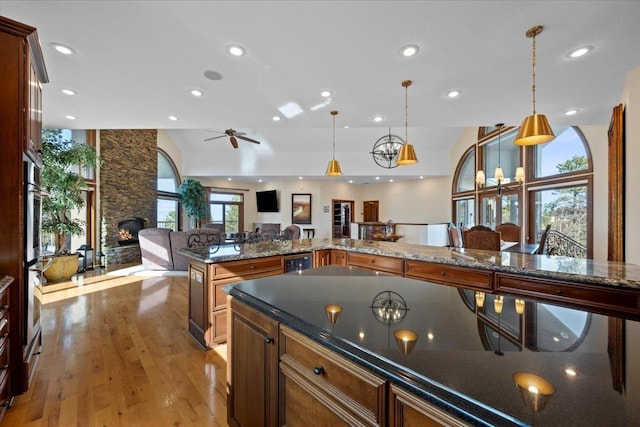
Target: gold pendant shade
407, 155
333, 168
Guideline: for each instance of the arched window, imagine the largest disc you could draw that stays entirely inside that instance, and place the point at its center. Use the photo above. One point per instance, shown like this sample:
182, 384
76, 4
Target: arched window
168, 206
557, 188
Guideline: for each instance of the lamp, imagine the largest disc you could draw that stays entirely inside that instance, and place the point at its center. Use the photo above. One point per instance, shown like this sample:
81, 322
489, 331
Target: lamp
519, 305
534, 390
386, 149
520, 174
333, 169
498, 174
333, 312
407, 155
535, 129
479, 299
406, 340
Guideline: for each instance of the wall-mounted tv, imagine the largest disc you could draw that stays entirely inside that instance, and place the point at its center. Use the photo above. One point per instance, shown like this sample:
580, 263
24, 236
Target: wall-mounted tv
267, 201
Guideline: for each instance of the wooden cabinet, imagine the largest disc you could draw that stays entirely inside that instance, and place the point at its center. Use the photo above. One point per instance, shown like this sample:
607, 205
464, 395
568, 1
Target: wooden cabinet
253, 369
207, 300
376, 263
407, 410
471, 278
605, 301
22, 71
339, 257
321, 258
5, 372
319, 388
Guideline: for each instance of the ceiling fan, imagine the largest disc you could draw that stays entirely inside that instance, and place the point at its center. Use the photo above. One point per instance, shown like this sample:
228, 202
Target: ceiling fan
233, 137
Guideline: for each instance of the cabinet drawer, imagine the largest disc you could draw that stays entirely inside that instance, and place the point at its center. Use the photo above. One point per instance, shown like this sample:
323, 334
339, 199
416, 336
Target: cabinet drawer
219, 326
338, 257
376, 262
449, 275
407, 410
343, 381
4, 331
247, 267
607, 301
4, 300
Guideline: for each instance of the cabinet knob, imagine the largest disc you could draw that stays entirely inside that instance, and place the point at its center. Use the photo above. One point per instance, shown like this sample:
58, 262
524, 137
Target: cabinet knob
318, 370
443, 273
268, 340
558, 292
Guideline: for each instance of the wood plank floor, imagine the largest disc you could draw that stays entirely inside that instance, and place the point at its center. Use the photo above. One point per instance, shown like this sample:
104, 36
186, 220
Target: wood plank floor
116, 352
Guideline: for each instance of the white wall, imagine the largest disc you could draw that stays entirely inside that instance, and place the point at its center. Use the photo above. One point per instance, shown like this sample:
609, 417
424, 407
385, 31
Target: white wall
166, 143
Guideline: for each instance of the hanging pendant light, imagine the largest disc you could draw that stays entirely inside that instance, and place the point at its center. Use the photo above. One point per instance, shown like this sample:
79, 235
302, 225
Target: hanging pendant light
407, 155
333, 169
535, 129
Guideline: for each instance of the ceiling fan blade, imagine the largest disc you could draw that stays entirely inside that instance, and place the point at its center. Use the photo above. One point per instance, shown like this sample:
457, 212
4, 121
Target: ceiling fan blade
248, 139
234, 141
215, 137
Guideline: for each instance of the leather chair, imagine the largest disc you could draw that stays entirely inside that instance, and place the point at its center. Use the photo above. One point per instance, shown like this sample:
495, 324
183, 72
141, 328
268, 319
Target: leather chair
292, 232
479, 238
455, 239
155, 248
509, 232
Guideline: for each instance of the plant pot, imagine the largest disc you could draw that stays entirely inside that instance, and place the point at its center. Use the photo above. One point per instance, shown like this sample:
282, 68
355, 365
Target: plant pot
62, 268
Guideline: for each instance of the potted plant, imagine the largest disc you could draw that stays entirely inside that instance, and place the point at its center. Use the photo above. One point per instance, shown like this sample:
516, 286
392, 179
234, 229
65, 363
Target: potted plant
62, 163
192, 197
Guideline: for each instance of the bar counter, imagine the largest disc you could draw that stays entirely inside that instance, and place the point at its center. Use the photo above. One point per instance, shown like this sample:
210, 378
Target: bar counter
467, 358
570, 270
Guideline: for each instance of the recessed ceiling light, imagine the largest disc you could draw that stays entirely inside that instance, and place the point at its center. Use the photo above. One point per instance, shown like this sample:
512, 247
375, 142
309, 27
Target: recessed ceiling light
570, 372
229, 179
346, 126
299, 177
259, 180
326, 93
571, 112
409, 50
196, 92
63, 49
173, 118
69, 92
378, 118
421, 177
581, 51
275, 118
70, 117
377, 177
391, 180
453, 93
350, 181
213, 75
236, 50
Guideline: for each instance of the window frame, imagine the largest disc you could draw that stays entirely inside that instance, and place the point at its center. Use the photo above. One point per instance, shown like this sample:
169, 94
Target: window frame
167, 195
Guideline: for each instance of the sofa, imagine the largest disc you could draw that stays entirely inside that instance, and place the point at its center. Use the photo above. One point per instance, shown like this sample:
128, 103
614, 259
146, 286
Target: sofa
159, 249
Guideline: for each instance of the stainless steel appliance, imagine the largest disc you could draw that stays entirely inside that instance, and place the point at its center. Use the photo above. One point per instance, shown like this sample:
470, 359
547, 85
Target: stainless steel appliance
297, 262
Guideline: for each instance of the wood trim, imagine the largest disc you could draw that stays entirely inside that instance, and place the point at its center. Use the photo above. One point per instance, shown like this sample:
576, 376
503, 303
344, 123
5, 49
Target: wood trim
616, 173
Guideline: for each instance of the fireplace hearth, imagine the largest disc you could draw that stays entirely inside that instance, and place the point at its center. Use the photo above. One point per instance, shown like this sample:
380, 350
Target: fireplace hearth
128, 229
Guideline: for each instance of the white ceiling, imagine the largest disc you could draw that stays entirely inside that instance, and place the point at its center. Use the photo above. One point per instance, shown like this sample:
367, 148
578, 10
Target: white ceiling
137, 60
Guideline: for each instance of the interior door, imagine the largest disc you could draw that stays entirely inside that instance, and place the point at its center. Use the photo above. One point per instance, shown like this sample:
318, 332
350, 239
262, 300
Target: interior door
370, 210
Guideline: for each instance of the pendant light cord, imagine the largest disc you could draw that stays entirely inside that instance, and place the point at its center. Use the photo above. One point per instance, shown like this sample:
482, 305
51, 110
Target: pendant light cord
406, 113
533, 75
334, 114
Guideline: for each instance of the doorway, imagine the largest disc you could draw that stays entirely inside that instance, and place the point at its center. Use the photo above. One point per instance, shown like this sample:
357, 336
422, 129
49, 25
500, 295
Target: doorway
370, 211
341, 217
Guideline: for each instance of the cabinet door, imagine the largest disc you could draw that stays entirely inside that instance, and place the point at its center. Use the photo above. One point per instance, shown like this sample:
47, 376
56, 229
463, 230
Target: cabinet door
339, 257
407, 410
253, 374
198, 303
321, 258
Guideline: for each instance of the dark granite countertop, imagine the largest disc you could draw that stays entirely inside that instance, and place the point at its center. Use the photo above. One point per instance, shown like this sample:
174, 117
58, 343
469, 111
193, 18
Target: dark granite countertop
576, 270
456, 362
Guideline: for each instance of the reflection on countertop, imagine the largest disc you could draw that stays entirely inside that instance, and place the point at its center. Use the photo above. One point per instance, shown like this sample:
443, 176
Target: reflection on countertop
576, 270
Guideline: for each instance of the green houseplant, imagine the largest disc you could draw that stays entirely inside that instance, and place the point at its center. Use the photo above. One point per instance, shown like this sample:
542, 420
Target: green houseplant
192, 197
62, 160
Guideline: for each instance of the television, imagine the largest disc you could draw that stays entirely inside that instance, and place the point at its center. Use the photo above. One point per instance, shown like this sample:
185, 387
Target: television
267, 201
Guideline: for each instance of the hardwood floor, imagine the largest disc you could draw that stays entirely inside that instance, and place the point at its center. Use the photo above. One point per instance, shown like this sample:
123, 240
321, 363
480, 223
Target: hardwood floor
116, 352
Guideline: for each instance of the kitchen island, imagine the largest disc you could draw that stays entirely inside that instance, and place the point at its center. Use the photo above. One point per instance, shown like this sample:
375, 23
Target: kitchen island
604, 287
337, 346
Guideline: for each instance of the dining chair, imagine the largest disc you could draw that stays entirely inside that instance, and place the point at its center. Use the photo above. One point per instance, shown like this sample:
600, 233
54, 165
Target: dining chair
454, 237
509, 232
543, 241
480, 238
292, 232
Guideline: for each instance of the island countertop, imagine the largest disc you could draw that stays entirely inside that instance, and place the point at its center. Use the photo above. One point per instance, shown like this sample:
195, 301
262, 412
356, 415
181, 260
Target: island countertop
573, 270
465, 356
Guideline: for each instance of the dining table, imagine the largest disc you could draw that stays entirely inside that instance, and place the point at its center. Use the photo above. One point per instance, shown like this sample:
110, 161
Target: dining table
524, 248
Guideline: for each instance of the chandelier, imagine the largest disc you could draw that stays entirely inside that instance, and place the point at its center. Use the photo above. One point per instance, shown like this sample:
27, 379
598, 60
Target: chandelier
385, 150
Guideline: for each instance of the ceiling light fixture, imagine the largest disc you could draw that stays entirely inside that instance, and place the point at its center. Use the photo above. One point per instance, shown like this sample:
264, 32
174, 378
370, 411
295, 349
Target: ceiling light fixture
407, 155
581, 51
333, 169
454, 93
70, 117
69, 92
275, 118
386, 149
571, 112
236, 50
535, 129
378, 119
63, 49
173, 118
409, 50
196, 92
326, 93
213, 75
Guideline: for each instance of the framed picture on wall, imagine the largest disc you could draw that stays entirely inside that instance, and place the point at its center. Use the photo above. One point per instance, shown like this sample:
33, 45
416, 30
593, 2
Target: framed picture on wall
301, 208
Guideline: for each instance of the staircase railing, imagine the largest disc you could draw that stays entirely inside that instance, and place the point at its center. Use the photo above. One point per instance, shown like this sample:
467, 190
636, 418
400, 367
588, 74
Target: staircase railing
560, 244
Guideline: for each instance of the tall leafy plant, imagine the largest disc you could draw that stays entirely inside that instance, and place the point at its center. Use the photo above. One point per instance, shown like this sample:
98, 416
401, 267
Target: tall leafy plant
193, 199
62, 163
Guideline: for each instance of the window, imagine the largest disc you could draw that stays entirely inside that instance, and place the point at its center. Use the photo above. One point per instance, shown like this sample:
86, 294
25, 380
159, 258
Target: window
227, 209
557, 189
167, 206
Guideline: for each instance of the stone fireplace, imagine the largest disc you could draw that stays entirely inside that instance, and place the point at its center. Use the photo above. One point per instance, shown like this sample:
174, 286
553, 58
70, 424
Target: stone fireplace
128, 230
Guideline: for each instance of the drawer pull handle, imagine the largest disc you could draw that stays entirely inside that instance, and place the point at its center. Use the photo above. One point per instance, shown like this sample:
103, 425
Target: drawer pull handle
268, 340
443, 273
318, 370
252, 266
558, 292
